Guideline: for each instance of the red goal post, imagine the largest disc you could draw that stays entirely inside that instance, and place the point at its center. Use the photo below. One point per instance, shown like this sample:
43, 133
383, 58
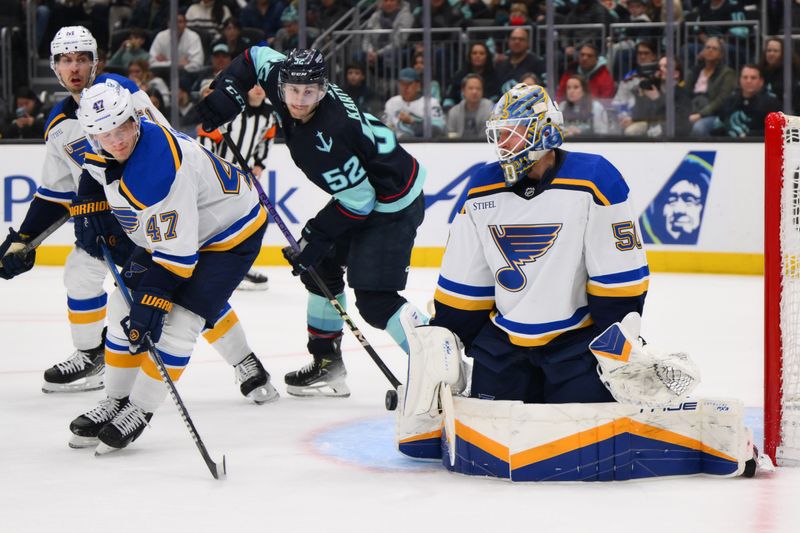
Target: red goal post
782, 289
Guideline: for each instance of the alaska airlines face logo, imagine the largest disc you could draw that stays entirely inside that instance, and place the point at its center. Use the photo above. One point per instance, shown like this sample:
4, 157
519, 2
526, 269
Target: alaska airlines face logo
676, 213
126, 218
521, 244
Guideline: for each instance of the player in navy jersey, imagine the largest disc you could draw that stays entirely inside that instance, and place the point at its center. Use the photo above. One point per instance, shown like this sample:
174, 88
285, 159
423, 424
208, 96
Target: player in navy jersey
370, 222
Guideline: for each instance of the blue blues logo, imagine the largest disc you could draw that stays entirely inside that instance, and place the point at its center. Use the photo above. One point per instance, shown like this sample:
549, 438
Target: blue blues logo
134, 269
98, 106
126, 218
521, 244
675, 215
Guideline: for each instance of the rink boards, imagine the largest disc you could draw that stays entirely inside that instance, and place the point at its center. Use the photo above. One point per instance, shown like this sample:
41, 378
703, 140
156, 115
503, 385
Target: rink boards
700, 204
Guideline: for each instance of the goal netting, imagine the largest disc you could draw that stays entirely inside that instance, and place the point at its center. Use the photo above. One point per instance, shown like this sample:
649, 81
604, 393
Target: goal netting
782, 289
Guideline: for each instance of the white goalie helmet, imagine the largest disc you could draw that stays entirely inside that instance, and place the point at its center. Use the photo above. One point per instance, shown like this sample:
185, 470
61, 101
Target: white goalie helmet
105, 107
71, 39
525, 124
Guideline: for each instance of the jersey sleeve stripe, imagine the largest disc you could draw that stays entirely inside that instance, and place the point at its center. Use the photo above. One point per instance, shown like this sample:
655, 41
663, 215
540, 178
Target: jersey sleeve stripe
237, 232
622, 277
349, 214
405, 201
63, 198
58, 119
571, 183
177, 156
479, 191
636, 289
466, 290
178, 270
386, 199
463, 304
126, 193
94, 159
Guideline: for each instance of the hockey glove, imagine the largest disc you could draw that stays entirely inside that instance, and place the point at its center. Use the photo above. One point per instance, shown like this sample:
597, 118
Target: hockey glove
220, 106
12, 261
146, 317
314, 246
93, 218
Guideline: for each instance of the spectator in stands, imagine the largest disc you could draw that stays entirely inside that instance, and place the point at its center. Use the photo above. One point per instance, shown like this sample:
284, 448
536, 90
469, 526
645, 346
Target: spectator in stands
232, 36
467, 119
657, 10
150, 15
391, 15
771, 67
330, 11
190, 48
583, 115
288, 37
443, 15
592, 68
207, 15
710, 82
743, 112
264, 15
585, 12
529, 78
621, 48
157, 100
518, 15
518, 61
479, 61
418, 64
30, 116
648, 115
132, 48
719, 11
139, 72
628, 88
355, 85
404, 112
477, 9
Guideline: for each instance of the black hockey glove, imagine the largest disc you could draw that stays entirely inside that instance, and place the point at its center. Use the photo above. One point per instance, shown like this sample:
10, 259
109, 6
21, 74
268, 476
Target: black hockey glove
12, 262
220, 106
93, 218
314, 246
146, 317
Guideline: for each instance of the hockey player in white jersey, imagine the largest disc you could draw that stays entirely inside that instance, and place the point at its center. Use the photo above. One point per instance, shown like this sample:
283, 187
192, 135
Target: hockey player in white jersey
73, 58
198, 226
544, 277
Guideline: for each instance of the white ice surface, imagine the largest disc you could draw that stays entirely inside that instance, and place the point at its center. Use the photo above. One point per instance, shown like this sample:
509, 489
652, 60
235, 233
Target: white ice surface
328, 465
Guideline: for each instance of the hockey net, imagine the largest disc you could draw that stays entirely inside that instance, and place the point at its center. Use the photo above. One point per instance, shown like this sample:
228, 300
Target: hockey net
782, 289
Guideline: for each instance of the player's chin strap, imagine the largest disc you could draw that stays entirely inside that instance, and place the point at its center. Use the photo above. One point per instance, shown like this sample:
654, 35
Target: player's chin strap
312, 272
637, 374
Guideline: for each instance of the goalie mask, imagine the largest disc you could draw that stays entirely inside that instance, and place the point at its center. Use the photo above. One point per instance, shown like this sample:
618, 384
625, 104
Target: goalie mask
524, 126
301, 79
109, 119
69, 40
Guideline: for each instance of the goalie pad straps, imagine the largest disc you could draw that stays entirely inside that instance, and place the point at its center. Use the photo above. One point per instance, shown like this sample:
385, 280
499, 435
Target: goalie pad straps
637, 374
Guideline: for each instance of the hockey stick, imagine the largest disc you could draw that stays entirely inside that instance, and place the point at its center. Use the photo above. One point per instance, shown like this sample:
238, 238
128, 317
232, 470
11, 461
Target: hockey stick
312, 271
217, 469
39, 239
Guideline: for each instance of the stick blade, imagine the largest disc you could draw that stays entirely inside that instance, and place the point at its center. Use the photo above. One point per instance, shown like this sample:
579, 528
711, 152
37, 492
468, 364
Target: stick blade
219, 470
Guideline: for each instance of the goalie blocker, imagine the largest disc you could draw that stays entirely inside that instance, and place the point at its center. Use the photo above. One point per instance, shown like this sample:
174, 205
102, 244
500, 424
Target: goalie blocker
572, 442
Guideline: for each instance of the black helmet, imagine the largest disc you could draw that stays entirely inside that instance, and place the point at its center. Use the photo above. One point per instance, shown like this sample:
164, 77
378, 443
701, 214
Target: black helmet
303, 67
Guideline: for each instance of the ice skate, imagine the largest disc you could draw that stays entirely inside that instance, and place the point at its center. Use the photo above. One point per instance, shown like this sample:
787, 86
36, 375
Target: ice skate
323, 377
254, 281
83, 371
123, 429
255, 381
86, 427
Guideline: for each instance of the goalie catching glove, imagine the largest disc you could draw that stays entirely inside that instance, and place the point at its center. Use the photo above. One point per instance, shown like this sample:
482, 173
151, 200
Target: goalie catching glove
636, 374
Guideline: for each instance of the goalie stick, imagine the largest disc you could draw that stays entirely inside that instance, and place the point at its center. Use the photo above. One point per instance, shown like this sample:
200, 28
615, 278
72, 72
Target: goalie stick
217, 468
313, 273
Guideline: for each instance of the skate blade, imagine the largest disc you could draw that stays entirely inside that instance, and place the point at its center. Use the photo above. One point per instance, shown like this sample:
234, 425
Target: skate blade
104, 449
250, 286
262, 395
82, 385
326, 390
77, 442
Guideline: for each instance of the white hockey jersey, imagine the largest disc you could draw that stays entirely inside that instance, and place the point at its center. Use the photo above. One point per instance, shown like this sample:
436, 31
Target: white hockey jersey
176, 199
66, 143
546, 258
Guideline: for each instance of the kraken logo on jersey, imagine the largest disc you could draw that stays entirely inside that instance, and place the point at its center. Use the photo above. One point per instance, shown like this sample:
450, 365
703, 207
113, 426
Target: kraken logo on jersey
126, 218
521, 244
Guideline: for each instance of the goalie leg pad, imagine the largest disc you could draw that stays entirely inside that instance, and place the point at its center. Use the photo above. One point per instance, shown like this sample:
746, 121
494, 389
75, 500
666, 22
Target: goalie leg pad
598, 442
434, 358
419, 436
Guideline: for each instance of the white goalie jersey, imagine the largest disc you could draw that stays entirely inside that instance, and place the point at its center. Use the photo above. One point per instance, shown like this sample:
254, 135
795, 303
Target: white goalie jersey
176, 199
66, 143
545, 258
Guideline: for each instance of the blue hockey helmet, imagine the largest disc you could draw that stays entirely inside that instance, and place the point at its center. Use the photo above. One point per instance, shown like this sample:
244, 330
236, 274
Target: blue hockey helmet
525, 124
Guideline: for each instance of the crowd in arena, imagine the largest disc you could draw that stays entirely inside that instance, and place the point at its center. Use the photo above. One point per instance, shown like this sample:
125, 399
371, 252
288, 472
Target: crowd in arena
611, 74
